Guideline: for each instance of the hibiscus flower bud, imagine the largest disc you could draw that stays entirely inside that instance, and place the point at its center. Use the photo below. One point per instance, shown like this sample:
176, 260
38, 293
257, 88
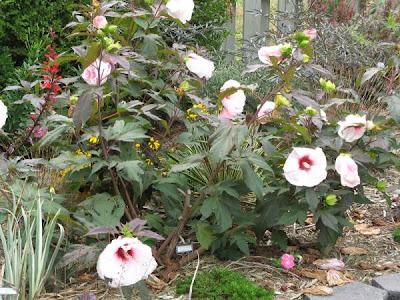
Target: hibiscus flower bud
200, 66
305, 167
348, 170
184, 85
99, 22
327, 85
287, 261
311, 111
381, 186
3, 114
304, 44
331, 199
306, 58
234, 103
180, 9
281, 100
311, 33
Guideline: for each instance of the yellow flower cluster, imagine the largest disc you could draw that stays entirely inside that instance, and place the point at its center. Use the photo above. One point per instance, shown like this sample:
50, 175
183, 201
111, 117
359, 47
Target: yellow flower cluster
80, 152
149, 162
65, 172
154, 144
93, 140
191, 115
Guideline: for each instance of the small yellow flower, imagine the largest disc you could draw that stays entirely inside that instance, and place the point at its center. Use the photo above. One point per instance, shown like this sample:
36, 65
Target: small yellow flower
52, 190
79, 152
191, 115
138, 146
93, 140
148, 162
66, 171
154, 144
180, 92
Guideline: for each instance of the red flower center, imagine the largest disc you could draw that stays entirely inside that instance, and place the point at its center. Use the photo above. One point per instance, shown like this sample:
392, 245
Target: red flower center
305, 163
124, 255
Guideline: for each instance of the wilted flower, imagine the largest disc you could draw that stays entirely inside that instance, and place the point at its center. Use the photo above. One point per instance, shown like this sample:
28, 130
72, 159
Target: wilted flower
99, 22
234, 103
3, 114
125, 262
352, 128
97, 73
311, 33
329, 264
287, 261
180, 9
305, 167
348, 170
200, 66
265, 54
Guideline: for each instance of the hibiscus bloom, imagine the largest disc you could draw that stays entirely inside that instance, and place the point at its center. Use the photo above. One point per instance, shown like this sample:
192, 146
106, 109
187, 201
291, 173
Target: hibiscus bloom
200, 66
287, 261
234, 103
352, 128
305, 167
97, 73
265, 54
99, 22
3, 114
180, 9
348, 170
125, 261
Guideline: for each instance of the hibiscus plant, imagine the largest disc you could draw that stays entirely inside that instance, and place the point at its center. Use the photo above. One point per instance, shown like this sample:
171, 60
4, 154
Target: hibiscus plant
134, 131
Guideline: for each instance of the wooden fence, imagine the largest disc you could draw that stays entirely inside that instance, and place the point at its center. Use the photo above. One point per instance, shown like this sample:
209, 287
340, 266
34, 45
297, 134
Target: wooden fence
257, 20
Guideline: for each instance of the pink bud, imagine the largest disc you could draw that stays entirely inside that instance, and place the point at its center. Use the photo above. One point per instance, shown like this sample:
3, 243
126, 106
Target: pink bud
287, 261
100, 22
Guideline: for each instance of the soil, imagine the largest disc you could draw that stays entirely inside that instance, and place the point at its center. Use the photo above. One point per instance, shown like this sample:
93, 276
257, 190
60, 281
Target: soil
367, 251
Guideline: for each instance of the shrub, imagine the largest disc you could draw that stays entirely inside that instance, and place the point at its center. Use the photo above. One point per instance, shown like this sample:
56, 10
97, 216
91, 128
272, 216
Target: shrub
221, 283
19, 30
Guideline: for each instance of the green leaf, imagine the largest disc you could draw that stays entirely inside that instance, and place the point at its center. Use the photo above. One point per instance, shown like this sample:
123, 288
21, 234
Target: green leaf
205, 235
101, 210
191, 162
132, 169
129, 132
280, 238
312, 199
83, 109
53, 135
92, 54
393, 103
259, 161
329, 220
214, 205
369, 74
251, 179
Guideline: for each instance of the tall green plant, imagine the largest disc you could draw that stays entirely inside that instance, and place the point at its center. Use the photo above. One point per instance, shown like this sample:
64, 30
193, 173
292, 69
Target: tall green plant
26, 239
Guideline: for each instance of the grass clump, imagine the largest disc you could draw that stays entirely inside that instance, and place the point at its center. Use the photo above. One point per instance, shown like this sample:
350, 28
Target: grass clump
220, 284
396, 235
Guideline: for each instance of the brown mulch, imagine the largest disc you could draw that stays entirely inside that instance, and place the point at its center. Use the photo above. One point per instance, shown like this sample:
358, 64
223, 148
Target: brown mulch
367, 250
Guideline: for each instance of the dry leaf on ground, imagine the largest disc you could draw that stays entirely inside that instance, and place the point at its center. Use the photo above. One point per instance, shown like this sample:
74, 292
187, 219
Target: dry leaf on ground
367, 229
335, 278
318, 290
313, 274
354, 251
330, 263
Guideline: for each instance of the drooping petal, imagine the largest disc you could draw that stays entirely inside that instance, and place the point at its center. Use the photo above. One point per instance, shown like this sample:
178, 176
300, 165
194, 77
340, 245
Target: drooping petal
97, 73
348, 170
265, 54
99, 22
234, 103
180, 9
200, 66
3, 114
352, 128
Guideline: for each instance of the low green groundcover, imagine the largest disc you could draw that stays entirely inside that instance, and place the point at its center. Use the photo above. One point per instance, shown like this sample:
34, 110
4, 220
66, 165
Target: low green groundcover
220, 284
396, 235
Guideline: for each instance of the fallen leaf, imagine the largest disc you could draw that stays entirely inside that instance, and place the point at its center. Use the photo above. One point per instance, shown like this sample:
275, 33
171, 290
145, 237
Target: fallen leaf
335, 278
155, 283
312, 274
366, 229
365, 265
330, 263
318, 290
380, 222
354, 251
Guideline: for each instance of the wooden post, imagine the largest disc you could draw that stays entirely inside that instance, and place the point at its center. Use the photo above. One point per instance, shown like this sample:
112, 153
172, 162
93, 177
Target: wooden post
230, 43
286, 8
255, 24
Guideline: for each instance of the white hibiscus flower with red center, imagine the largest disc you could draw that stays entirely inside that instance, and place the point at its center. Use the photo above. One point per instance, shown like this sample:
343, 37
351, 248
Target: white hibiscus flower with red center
352, 128
125, 261
305, 167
